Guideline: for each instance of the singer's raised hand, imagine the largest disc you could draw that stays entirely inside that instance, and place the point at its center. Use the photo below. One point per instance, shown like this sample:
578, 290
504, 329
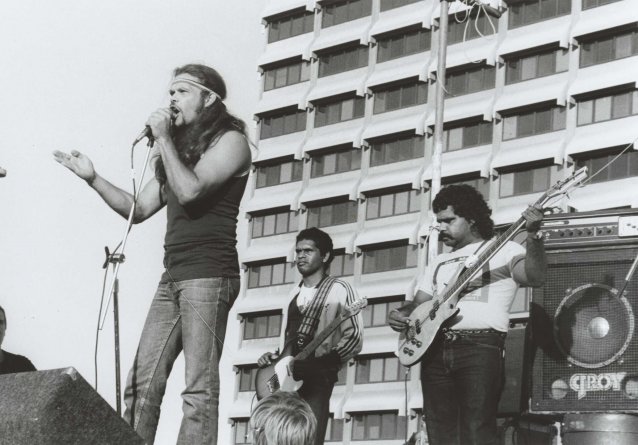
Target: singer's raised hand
78, 163
160, 123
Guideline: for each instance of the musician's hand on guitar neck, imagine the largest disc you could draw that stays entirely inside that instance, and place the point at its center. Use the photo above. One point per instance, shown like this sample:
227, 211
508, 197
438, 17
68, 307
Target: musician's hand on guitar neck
533, 216
267, 359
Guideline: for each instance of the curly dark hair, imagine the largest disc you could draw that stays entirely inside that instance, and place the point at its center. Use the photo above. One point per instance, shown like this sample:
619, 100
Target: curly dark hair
467, 203
212, 123
321, 239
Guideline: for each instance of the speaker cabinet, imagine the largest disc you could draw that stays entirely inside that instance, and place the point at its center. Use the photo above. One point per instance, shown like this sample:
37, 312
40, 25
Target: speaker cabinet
585, 350
58, 407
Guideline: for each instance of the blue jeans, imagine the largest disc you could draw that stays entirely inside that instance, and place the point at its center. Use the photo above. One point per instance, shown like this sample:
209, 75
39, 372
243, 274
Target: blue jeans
176, 321
462, 380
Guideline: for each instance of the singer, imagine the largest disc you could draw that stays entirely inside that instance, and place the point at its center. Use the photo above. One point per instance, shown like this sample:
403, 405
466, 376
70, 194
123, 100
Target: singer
200, 175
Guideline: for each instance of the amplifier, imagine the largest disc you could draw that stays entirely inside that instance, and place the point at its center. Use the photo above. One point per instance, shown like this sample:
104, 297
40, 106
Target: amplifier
590, 228
584, 345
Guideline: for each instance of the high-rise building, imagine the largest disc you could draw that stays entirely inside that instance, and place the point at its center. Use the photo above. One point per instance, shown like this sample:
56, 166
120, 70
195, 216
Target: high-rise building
345, 125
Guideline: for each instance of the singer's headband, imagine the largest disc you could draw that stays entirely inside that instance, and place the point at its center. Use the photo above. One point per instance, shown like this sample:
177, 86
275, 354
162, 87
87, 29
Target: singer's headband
195, 84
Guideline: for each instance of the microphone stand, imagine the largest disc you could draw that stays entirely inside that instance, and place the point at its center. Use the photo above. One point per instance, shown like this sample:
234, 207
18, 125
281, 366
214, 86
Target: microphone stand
117, 258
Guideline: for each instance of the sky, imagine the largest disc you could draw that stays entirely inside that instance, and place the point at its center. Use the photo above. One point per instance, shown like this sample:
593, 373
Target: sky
86, 75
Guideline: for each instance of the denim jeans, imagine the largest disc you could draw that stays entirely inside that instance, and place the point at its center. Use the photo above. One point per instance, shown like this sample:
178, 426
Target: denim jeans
462, 379
191, 316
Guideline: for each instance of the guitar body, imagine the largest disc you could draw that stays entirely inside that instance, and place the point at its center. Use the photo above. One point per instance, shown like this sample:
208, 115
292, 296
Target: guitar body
425, 322
276, 377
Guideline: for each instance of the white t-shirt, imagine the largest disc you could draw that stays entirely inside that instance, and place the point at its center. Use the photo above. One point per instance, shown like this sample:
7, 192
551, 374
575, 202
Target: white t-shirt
305, 296
486, 301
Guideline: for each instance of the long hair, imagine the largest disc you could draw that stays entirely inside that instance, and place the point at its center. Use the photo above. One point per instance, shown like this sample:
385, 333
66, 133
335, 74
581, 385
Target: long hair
283, 418
191, 141
467, 203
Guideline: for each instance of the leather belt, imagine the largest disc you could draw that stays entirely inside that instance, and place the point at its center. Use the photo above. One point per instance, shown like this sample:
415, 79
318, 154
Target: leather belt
454, 334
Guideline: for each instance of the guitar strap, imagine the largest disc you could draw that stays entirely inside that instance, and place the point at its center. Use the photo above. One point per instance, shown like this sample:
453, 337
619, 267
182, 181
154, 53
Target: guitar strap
455, 260
310, 320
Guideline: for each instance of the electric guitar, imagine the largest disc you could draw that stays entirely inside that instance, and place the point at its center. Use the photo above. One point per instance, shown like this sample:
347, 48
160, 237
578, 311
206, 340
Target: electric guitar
426, 319
278, 376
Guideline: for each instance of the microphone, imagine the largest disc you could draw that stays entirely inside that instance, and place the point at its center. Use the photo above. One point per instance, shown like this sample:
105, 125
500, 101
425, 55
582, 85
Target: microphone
146, 133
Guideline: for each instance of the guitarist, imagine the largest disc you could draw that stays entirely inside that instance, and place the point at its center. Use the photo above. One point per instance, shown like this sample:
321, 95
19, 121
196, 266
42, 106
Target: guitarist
462, 371
314, 304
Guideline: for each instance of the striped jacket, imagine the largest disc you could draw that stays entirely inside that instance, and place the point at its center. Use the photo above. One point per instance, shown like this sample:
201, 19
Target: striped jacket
347, 339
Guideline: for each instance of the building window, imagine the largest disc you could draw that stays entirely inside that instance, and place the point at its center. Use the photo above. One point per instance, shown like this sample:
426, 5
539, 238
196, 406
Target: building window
247, 378
284, 75
343, 60
381, 259
270, 274
480, 184
399, 45
334, 430
337, 161
391, 4
587, 4
399, 149
400, 96
534, 122
379, 425
608, 47
281, 123
290, 26
341, 12
540, 64
393, 203
342, 265
478, 27
274, 223
470, 80
606, 108
380, 369
278, 173
243, 435
332, 214
262, 325
338, 111
626, 166
525, 181
376, 312
533, 11
466, 136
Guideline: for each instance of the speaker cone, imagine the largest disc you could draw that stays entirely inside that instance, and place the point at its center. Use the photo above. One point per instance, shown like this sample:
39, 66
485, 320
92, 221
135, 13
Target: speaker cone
593, 326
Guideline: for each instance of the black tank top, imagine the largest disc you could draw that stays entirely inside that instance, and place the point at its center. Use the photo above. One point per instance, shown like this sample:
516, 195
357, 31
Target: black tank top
201, 237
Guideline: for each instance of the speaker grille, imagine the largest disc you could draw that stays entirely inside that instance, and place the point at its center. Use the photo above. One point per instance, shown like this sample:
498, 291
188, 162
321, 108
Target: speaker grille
586, 357
593, 326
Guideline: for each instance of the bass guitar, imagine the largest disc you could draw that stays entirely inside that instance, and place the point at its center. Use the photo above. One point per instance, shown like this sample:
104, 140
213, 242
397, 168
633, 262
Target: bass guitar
427, 318
278, 376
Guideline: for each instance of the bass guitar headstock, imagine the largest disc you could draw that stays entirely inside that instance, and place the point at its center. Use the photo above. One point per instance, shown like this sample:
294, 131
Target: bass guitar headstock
353, 309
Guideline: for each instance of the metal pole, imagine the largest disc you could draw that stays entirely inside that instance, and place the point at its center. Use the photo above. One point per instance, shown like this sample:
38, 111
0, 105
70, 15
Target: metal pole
433, 245
116, 329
